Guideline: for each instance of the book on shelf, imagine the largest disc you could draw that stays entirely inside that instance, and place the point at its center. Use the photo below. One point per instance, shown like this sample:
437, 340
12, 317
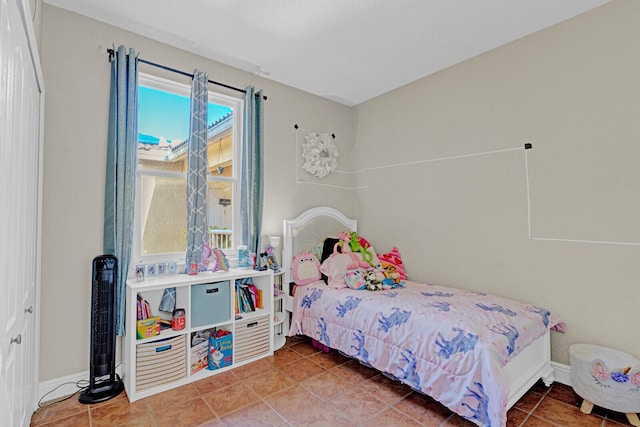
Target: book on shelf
245, 298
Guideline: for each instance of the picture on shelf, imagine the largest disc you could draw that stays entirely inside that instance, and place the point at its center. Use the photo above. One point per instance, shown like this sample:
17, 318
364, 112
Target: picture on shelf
151, 270
162, 268
173, 267
271, 262
139, 273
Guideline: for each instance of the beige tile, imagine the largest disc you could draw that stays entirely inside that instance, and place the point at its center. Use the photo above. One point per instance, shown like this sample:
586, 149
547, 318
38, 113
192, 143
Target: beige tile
231, 398
177, 395
456, 420
119, 413
256, 415
254, 368
187, 413
560, 413
285, 356
78, 420
357, 404
328, 360
534, 421
304, 348
391, 417
528, 402
564, 393
269, 382
424, 409
354, 372
385, 389
302, 369
295, 404
515, 417
216, 382
55, 410
326, 385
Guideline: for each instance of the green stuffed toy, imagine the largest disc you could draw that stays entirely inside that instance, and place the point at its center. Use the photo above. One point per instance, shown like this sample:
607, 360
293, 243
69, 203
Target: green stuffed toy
356, 246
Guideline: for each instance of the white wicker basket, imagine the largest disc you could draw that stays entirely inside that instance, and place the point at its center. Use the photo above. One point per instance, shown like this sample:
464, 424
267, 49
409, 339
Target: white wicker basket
606, 377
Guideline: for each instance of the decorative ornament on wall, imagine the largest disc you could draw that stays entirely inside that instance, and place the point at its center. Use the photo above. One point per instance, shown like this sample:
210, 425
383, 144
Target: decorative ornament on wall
320, 154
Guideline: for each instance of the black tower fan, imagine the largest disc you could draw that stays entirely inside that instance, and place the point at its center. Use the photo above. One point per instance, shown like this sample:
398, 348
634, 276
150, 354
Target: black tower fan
104, 383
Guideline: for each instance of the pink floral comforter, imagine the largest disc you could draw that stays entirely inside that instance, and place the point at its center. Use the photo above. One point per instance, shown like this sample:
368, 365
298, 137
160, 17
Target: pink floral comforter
448, 343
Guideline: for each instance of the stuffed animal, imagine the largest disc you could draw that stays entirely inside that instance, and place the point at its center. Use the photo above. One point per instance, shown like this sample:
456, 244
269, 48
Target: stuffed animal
343, 243
391, 271
356, 246
355, 278
305, 269
374, 280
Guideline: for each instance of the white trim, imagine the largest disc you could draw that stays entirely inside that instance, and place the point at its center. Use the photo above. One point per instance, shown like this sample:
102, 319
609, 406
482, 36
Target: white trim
562, 373
63, 390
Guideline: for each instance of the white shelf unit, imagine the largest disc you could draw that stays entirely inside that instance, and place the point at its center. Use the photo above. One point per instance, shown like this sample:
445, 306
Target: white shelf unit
279, 327
165, 361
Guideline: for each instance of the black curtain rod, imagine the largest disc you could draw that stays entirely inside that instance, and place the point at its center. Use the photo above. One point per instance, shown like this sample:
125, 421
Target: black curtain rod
112, 53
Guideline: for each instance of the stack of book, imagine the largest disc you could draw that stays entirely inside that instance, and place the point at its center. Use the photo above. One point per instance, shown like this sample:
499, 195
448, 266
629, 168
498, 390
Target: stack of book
248, 297
144, 308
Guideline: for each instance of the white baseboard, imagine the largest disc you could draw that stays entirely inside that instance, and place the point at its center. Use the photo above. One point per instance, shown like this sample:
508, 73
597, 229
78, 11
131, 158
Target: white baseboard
562, 373
67, 385
61, 387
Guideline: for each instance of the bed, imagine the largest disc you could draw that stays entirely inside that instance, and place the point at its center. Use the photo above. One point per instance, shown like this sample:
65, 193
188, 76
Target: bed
475, 353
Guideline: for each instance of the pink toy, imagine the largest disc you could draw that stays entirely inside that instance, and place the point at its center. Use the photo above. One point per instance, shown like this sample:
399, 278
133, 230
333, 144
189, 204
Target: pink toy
344, 243
305, 269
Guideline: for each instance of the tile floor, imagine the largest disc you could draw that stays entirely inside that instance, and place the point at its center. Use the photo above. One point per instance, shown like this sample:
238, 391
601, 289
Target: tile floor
300, 386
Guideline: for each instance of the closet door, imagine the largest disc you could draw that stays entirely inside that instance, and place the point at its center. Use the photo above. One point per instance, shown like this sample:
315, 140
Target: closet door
20, 206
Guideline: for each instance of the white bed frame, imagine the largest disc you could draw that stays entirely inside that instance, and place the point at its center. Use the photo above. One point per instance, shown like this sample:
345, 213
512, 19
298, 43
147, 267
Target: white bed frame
314, 225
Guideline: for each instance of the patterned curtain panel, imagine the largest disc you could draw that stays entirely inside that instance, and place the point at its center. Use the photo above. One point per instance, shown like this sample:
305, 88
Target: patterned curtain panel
251, 197
121, 170
198, 168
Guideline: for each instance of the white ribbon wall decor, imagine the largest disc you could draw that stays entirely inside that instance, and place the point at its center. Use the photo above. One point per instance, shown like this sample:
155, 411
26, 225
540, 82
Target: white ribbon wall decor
320, 154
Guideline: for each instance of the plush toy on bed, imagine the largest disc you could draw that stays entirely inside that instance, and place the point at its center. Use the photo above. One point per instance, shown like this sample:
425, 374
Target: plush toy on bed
360, 245
356, 278
306, 269
374, 279
343, 243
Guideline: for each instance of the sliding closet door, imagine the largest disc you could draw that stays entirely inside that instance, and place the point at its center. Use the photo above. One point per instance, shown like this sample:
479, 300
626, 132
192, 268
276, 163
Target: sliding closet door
20, 206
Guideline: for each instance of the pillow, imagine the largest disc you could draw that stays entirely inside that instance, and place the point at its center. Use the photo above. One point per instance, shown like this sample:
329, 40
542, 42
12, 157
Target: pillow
393, 258
337, 265
327, 250
335, 268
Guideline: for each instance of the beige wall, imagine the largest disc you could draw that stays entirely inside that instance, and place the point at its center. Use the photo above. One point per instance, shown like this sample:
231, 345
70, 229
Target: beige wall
77, 73
572, 91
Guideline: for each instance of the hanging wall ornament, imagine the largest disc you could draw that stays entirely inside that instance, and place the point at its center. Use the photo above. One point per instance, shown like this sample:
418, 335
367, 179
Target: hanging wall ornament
320, 154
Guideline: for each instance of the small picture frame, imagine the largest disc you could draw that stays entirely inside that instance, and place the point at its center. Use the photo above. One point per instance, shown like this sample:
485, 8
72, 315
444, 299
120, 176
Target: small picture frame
271, 262
162, 268
150, 270
140, 273
172, 267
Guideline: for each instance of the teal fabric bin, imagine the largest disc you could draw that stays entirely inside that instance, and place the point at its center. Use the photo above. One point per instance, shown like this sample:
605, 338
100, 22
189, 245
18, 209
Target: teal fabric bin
210, 303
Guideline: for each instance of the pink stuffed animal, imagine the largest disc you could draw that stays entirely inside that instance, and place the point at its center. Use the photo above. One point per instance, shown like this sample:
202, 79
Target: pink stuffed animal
305, 269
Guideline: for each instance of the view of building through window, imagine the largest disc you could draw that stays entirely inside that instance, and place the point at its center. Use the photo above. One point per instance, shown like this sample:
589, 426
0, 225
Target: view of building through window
163, 131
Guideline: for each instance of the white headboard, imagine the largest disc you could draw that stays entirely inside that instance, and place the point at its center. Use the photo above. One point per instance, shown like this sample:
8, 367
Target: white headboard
309, 230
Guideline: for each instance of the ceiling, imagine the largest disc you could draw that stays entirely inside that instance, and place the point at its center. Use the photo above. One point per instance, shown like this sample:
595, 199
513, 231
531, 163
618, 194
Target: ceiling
348, 51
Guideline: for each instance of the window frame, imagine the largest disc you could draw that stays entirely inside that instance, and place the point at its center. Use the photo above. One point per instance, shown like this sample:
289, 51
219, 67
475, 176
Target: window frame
237, 105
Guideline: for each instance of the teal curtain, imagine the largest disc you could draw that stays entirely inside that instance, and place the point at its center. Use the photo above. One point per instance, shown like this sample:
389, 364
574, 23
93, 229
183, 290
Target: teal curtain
252, 186
119, 194
198, 169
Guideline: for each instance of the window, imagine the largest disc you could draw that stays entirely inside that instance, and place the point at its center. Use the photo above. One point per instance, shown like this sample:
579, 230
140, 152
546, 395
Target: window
161, 185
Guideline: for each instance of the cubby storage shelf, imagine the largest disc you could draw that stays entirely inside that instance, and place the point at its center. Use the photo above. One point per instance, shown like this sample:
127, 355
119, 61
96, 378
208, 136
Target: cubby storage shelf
158, 363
